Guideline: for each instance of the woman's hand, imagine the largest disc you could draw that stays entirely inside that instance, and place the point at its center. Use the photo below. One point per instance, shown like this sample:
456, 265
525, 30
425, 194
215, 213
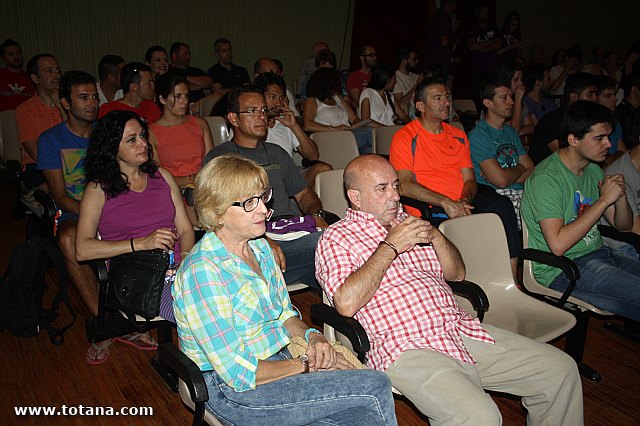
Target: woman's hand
162, 238
321, 354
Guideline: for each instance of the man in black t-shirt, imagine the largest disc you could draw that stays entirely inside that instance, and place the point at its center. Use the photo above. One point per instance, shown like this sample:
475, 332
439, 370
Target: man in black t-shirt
225, 74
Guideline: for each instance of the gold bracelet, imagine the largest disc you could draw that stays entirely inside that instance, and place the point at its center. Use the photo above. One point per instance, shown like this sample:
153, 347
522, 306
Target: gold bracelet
395, 250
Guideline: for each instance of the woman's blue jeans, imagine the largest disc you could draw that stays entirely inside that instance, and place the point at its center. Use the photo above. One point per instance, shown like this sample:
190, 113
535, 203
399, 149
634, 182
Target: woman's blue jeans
609, 280
344, 397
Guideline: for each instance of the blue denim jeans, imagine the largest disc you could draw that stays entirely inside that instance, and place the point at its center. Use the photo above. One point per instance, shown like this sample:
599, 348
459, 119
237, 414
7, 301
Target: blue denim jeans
609, 280
364, 139
346, 397
300, 256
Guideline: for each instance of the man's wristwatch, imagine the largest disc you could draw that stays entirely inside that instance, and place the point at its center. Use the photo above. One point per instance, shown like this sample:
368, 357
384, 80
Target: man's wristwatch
304, 359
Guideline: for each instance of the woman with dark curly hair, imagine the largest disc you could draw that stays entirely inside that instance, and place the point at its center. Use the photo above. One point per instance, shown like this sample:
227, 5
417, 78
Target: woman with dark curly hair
326, 111
180, 140
376, 101
133, 205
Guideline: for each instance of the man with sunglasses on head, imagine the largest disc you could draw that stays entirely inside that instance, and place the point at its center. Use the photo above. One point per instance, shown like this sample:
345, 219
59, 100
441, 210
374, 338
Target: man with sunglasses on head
139, 93
248, 116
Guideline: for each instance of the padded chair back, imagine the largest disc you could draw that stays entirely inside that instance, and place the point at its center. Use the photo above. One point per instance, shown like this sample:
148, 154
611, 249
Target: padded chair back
532, 285
331, 192
482, 242
336, 148
464, 105
382, 138
219, 130
10, 142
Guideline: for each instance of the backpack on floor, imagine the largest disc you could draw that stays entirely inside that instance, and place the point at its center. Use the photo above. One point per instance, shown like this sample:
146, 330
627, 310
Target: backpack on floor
22, 288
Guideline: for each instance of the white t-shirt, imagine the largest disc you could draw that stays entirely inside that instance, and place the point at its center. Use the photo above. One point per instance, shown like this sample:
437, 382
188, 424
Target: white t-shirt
378, 110
103, 98
554, 73
331, 115
282, 136
404, 83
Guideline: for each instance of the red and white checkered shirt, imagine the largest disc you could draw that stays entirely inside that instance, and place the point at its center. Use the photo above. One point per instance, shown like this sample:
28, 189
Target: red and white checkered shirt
413, 308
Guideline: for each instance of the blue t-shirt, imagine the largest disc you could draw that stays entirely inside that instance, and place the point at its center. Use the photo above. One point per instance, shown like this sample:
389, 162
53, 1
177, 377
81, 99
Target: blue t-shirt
59, 149
614, 138
503, 145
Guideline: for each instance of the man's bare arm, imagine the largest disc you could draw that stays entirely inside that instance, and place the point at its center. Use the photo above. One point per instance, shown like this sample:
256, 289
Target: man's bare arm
55, 182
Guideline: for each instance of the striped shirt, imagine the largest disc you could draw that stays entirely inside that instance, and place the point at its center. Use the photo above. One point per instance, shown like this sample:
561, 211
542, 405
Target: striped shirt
228, 317
413, 308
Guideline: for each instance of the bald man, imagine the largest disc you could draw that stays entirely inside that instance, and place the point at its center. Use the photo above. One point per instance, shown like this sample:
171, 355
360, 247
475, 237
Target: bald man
374, 265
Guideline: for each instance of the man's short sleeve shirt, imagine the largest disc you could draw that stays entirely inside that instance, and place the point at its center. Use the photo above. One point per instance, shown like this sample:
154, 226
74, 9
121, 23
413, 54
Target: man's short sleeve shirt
60, 149
413, 307
553, 191
503, 145
436, 160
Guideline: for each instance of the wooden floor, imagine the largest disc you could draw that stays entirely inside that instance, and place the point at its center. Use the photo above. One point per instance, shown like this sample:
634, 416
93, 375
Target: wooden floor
33, 372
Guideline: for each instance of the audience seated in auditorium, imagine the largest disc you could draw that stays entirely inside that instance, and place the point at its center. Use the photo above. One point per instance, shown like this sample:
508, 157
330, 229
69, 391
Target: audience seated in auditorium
579, 86
138, 88
499, 159
434, 165
325, 110
157, 59
559, 72
235, 318
484, 41
607, 96
224, 74
179, 139
408, 76
512, 73
536, 79
123, 181
628, 165
109, 87
374, 265
248, 116
376, 101
631, 101
563, 201
284, 130
357, 80
442, 39
309, 66
199, 81
274, 66
15, 85
39, 113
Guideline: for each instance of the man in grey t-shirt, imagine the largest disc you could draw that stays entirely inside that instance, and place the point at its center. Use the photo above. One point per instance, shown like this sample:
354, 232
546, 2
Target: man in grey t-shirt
628, 165
247, 114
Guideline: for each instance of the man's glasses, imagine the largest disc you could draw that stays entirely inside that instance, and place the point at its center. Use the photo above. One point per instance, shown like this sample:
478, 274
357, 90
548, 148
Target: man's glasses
255, 112
250, 204
371, 54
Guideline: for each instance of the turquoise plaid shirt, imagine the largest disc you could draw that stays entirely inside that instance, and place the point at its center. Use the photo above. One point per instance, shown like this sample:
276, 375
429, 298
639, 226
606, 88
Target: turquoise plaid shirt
229, 318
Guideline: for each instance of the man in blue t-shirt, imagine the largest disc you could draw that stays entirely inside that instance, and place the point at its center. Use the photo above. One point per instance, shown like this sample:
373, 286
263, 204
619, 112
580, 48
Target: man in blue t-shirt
499, 159
61, 153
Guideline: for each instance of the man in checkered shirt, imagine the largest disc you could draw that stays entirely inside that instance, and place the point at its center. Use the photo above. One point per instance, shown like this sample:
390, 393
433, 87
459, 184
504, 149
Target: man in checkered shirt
371, 267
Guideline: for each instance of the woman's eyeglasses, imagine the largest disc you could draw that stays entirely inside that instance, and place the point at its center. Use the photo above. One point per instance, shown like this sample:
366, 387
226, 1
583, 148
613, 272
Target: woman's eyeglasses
250, 204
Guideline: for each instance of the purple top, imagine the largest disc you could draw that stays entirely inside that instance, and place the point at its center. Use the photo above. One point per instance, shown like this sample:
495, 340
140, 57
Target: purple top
137, 214
539, 110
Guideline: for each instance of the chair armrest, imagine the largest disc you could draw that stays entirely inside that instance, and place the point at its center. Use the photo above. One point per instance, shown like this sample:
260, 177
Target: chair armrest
100, 268
46, 201
567, 266
626, 237
350, 327
472, 292
186, 369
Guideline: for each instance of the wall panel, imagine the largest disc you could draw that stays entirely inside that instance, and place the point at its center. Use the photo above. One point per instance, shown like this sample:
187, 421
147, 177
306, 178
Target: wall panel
79, 32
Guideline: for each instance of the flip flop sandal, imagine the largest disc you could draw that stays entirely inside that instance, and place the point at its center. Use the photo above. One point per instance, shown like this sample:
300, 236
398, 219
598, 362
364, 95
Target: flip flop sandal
140, 341
97, 351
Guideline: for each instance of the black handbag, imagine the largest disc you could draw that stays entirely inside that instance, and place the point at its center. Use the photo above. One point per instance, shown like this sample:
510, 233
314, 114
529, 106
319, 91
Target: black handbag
136, 281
